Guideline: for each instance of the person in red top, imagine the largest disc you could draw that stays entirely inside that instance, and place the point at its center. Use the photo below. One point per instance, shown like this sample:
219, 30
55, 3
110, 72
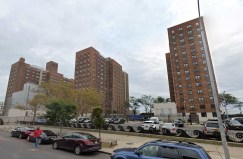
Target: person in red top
37, 134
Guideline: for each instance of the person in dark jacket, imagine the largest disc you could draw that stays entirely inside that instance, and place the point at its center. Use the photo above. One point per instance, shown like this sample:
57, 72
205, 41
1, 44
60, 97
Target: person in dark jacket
37, 134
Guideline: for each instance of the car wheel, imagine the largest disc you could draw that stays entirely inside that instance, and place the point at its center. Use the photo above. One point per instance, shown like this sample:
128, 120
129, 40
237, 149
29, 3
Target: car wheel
11, 134
77, 150
54, 145
20, 136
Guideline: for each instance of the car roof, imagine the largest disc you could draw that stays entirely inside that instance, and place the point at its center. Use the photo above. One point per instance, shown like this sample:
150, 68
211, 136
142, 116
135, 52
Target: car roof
175, 143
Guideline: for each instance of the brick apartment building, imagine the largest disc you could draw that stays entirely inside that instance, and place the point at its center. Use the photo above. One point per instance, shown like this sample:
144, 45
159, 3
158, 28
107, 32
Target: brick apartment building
22, 73
92, 70
188, 74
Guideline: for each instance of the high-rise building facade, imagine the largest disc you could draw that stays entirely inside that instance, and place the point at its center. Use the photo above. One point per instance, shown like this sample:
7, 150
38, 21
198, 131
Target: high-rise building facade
22, 73
105, 75
188, 74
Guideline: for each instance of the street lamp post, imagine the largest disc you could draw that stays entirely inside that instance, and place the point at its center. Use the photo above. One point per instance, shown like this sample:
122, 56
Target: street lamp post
213, 85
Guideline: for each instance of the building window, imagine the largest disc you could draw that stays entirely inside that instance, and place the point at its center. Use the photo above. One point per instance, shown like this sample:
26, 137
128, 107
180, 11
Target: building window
204, 62
203, 55
180, 93
187, 72
173, 37
180, 29
195, 63
199, 36
189, 26
192, 44
200, 42
189, 85
198, 84
193, 50
198, 29
185, 65
197, 77
182, 99
199, 91
201, 99
189, 32
182, 40
184, 58
202, 106
197, 23
192, 107
194, 57
197, 70
188, 78
191, 99
180, 86
202, 48
172, 31
189, 92
214, 114
190, 38
203, 114
181, 35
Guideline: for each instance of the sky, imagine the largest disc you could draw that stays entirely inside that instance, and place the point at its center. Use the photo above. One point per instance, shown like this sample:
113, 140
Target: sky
132, 32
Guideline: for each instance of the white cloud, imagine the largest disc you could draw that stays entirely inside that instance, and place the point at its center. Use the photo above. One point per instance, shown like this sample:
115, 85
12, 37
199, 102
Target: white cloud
134, 33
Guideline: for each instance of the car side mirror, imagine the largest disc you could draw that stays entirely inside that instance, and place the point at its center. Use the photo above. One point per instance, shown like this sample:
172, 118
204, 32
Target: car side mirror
138, 153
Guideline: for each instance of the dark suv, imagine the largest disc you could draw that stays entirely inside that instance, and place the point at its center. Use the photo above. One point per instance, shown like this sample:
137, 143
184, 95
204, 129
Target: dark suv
162, 149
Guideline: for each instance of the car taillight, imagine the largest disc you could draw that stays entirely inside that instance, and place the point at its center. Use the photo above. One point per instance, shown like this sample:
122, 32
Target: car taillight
173, 129
88, 142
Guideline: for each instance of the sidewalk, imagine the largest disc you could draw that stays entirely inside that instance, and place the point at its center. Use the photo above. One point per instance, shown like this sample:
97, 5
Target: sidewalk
215, 151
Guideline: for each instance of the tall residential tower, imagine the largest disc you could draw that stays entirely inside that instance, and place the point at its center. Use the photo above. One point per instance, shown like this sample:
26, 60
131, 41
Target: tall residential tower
188, 73
105, 75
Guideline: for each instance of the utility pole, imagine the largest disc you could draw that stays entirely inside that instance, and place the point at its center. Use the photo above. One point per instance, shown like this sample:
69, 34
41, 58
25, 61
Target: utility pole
213, 85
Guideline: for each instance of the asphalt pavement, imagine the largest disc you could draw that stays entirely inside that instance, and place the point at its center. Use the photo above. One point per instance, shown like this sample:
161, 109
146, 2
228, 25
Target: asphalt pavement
14, 148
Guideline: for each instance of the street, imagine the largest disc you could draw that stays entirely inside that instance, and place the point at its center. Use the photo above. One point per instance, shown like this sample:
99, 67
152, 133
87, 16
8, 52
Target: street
14, 148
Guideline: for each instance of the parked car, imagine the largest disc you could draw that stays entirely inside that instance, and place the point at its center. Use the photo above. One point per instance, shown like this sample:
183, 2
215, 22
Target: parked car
40, 121
233, 125
170, 127
46, 137
22, 132
162, 149
78, 142
151, 126
211, 128
179, 123
111, 121
239, 119
119, 121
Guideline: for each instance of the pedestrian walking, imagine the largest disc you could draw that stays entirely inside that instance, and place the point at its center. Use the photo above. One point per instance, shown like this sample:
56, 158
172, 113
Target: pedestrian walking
37, 134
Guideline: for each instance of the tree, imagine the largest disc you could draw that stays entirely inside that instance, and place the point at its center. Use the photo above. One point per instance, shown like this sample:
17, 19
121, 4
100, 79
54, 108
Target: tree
159, 99
60, 112
60, 91
87, 100
126, 108
36, 103
228, 98
97, 118
148, 103
134, 104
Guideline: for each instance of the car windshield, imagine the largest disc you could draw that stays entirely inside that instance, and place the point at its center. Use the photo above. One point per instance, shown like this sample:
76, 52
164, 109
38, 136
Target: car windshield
49, 133
167, 124
88, 136
148, 122
28, 128
235, 122
213, 125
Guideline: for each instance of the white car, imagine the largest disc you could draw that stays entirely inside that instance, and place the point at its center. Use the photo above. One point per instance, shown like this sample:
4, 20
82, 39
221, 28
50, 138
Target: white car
169, 126
151, 126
